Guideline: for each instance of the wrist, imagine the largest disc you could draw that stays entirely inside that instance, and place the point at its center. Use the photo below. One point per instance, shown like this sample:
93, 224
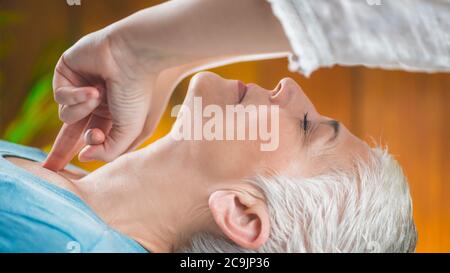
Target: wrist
148, 41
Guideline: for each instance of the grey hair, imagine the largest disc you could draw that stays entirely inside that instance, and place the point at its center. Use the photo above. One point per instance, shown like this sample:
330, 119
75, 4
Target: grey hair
367, 210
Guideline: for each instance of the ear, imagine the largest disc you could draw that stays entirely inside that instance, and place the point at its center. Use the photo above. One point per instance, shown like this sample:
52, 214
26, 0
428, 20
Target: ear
243, 218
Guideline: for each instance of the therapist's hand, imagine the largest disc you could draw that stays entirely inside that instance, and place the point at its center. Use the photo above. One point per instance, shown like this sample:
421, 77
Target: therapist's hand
113, 85
109, 102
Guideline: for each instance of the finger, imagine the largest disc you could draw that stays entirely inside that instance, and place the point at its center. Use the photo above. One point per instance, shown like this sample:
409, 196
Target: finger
67, 144
94, 136
116, 143
64, 76
97, 130
72, 113
68, 95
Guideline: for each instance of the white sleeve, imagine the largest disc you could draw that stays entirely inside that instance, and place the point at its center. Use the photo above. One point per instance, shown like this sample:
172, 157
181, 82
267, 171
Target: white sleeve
411, 35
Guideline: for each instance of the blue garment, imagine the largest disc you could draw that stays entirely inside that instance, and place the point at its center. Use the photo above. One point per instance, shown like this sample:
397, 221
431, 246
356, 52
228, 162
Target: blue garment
37, 216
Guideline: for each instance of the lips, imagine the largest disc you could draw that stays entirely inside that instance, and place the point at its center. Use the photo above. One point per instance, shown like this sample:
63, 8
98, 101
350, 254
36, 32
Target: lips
242, 90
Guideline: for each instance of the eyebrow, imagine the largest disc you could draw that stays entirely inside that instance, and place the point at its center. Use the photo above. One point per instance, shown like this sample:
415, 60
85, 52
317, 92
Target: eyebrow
336, 126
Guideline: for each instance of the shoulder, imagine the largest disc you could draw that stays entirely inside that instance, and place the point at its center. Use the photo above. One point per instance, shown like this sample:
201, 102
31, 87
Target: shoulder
36, 216
37, 219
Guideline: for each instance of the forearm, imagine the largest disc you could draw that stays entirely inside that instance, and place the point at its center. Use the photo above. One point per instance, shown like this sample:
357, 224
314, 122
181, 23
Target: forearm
199, 33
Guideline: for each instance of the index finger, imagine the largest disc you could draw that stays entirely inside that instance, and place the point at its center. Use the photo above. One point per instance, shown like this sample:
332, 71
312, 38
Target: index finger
67, 144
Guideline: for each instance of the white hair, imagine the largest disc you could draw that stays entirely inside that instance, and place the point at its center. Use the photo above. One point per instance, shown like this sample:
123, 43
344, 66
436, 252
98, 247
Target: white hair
367, 210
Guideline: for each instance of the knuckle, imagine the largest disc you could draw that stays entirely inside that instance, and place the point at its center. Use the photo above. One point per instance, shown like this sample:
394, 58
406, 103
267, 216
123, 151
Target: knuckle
65, 116
57, 95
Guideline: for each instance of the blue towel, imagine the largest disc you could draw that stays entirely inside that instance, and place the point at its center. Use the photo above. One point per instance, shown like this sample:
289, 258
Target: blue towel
37, 216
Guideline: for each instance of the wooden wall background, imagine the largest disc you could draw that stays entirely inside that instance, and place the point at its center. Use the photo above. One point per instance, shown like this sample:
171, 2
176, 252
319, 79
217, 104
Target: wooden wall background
410, 112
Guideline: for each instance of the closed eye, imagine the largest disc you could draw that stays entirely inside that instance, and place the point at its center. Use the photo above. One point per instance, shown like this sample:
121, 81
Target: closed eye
305, 123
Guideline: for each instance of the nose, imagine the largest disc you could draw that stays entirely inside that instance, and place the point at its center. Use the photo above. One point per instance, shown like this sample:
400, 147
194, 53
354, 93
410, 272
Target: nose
290, 96
285, 91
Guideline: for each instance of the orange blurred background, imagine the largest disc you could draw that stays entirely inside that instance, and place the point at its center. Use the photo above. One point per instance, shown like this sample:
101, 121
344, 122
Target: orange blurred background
409, 112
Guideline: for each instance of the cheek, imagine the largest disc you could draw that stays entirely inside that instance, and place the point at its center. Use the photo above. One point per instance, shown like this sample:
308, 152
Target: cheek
282, 159
291, 153
230, 160
237, 159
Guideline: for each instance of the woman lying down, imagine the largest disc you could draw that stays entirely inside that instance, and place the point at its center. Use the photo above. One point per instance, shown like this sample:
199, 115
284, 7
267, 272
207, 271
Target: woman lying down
321, 190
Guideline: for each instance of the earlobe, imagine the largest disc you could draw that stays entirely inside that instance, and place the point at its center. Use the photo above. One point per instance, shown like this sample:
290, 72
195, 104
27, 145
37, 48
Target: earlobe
241, 217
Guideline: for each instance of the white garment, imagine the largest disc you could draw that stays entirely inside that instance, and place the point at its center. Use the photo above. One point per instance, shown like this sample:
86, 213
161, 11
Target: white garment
411, 35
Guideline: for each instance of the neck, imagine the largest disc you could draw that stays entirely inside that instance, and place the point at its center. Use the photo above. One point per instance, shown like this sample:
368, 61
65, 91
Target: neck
156, 200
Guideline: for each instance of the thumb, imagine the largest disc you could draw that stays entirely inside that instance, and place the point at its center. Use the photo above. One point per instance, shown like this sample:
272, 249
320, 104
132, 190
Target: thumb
116, 143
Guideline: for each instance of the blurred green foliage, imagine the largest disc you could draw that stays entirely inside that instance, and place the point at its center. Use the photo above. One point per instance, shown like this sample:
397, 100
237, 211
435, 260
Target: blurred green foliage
38, 112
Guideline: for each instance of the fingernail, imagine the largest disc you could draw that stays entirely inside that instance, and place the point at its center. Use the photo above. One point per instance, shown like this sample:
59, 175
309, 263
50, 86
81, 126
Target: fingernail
88, 136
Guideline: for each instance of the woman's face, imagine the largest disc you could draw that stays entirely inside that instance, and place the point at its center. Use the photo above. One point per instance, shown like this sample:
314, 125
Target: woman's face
303, 144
